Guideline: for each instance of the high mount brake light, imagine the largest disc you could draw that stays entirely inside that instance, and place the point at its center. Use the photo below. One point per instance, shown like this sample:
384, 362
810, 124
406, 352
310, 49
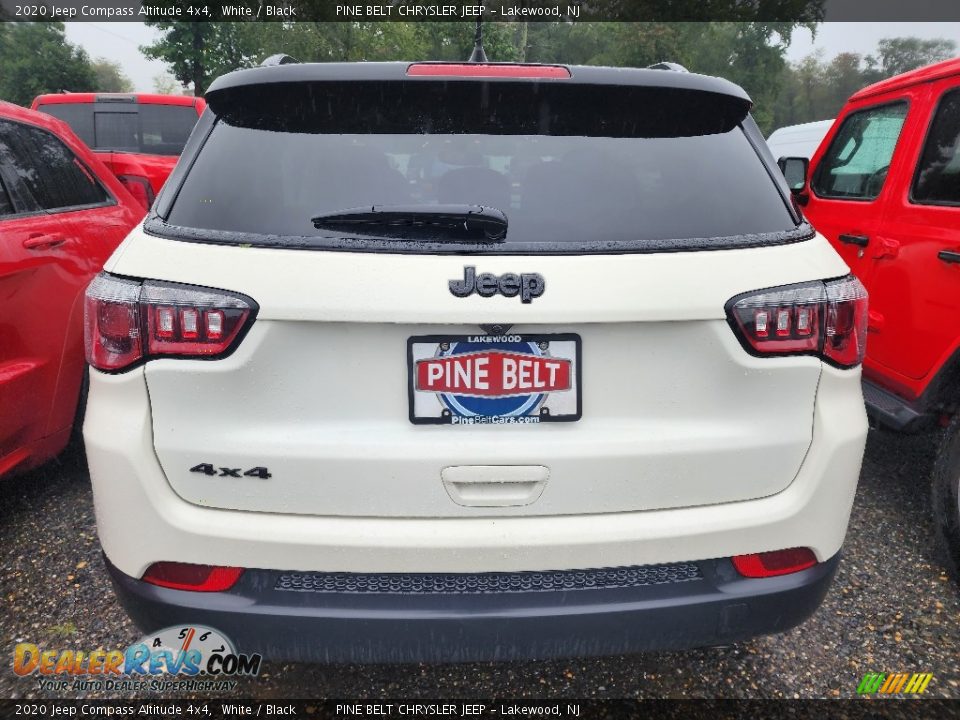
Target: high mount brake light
826, 319
492, 70
127, 322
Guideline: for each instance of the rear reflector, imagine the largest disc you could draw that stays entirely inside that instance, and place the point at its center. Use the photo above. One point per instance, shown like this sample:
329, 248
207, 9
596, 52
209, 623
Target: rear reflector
826, 319
771, 564
187, 576
127, 322
504, 70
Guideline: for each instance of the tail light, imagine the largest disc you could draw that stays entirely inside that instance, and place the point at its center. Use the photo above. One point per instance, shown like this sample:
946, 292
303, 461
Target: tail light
187, 576
127, 322
139, 187
826, 319
771, 564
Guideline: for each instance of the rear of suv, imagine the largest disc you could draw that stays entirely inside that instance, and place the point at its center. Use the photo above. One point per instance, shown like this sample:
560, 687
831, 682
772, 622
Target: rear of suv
884, 188
139, 136
449, 362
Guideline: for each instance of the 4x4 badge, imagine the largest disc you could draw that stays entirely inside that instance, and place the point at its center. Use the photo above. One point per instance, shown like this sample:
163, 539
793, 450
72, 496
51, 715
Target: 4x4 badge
527, 285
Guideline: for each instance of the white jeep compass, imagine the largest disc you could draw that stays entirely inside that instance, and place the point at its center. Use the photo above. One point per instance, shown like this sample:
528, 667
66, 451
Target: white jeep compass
434, 362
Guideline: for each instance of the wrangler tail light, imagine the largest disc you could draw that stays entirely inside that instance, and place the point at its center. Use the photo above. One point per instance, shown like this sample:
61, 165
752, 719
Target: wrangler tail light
139, 187
187, 576
127, 322
771, 564
827, 319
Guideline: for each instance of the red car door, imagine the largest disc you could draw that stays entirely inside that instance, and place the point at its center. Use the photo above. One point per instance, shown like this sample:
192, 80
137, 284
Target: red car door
847, 189
58, 224
915, 284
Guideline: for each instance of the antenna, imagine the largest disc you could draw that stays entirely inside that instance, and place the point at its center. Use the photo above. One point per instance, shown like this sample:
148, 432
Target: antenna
478, 55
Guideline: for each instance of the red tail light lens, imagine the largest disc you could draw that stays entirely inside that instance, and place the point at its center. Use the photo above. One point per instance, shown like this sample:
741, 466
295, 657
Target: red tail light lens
187, 576
826, 319
139, 187
127, 322
771, 564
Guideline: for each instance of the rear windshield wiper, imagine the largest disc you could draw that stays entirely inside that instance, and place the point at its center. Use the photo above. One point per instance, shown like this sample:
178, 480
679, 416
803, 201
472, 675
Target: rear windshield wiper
451, 223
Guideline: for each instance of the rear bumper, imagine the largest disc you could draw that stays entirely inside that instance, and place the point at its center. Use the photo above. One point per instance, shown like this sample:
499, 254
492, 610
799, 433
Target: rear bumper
408, 619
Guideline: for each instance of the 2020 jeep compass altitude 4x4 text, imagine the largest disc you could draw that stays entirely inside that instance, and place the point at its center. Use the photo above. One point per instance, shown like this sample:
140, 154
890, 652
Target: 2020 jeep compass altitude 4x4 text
447, 362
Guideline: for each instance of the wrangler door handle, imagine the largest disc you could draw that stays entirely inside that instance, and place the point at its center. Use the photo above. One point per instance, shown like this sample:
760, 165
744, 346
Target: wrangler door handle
858, 240
43, 242
949, 256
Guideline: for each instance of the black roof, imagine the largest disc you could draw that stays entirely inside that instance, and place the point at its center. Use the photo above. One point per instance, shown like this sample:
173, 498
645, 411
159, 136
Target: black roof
389, 71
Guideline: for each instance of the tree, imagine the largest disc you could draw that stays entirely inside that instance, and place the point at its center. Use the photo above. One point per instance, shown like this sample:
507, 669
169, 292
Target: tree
197, 52
166, 84
110, 77
901, 54
816, 90
35, 58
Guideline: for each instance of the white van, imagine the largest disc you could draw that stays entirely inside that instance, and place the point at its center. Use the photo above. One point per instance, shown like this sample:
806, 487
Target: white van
798, 140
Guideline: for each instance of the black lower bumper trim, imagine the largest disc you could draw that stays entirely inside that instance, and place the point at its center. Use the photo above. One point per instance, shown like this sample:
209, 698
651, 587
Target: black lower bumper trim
718, 607
888, 410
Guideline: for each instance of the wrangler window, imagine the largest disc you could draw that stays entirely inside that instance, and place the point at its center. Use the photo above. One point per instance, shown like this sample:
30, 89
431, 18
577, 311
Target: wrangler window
856, 163
938, 175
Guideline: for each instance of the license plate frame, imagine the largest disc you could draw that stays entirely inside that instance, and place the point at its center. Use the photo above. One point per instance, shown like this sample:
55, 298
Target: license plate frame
428, 406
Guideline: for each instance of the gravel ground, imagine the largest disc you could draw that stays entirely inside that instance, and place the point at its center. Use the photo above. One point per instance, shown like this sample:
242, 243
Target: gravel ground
891, 608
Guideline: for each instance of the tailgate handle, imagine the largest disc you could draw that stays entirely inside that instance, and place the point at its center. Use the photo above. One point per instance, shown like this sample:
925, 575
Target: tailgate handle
859, 240
495, 485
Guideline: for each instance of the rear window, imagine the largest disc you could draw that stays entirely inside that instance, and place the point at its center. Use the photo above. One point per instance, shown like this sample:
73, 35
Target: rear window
587, 167
141, 128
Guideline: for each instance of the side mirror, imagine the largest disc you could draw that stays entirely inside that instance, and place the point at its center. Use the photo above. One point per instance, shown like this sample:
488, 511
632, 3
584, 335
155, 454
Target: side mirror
794, 169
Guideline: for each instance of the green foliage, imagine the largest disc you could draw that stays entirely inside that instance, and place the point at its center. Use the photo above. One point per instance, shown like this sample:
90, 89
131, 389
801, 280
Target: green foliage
110, 77
35, 58
197, 52
898, 55
815, 89
751, 54
166, 84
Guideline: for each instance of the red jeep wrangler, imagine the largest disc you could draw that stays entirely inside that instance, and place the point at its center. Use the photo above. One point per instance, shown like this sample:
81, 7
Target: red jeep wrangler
884, 188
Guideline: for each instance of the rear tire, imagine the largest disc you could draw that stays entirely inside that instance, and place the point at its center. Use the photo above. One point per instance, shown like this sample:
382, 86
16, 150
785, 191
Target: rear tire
946, 497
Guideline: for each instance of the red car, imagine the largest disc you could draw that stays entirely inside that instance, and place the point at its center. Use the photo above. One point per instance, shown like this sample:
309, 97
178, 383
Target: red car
884, 188
62, 213
139, 136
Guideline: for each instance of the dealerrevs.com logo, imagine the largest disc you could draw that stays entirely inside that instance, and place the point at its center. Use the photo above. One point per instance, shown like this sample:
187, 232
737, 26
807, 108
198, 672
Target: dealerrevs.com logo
190, 657
894, 683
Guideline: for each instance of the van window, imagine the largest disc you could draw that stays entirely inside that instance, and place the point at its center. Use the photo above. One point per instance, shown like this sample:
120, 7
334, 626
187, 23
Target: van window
937, 181
856, 163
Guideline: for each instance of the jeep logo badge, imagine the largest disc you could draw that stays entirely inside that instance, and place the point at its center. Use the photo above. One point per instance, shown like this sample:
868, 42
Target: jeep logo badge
527, 285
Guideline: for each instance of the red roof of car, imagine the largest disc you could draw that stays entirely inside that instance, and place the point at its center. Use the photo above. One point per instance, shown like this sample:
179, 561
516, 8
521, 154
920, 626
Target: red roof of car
914, 77
142, 98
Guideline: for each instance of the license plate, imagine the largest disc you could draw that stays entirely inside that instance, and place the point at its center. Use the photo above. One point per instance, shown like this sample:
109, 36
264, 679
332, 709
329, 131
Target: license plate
499, 380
